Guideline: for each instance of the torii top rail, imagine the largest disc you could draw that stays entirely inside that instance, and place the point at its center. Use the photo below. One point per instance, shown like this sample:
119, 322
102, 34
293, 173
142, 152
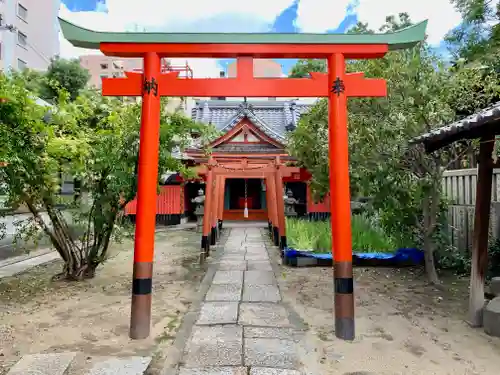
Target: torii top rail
337, 85
245, 47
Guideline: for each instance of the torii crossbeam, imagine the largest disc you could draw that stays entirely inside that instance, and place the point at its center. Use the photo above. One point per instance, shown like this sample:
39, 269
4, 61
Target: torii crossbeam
337, 85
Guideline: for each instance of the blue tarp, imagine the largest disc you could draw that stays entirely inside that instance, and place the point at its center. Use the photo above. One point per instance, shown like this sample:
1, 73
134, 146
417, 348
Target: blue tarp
403, 255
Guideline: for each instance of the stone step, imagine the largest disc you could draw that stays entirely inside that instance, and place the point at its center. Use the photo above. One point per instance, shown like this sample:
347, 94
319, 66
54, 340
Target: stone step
43, 364
121, 366
237, 371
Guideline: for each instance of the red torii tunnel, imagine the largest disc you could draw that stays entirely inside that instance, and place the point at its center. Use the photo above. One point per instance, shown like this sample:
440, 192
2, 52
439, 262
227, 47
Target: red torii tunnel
337, 85
270, 169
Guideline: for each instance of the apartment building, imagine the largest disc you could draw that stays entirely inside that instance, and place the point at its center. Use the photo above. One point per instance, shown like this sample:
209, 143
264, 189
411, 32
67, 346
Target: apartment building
100, 66
29, 33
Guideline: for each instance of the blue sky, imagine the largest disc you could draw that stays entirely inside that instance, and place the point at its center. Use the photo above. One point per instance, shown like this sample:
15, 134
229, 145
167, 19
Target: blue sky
324, 16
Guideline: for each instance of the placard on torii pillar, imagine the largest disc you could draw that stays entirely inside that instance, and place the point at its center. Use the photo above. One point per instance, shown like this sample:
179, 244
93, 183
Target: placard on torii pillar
337, 85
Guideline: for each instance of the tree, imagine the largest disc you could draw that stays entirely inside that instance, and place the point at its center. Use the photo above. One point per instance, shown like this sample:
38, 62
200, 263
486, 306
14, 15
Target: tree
422, 94
477, 39
94, 138
64, 74
305, 66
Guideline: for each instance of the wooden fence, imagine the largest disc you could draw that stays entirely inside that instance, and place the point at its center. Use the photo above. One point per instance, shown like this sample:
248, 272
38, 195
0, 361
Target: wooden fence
459, 188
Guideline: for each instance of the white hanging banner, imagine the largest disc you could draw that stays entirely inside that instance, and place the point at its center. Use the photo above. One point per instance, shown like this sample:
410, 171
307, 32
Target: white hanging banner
245, 211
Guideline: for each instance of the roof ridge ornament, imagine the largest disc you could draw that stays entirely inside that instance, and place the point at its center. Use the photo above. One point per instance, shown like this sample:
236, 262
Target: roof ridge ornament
245, 106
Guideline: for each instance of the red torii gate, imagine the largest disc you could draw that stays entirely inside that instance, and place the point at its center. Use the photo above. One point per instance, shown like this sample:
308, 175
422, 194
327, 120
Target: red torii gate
337, 85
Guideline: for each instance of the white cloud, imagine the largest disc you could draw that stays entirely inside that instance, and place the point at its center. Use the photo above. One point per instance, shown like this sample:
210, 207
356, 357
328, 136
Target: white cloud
441, 14
318, 16
186, 16
321, 15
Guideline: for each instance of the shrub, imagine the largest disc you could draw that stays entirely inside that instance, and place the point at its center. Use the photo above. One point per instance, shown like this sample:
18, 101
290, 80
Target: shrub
315, 236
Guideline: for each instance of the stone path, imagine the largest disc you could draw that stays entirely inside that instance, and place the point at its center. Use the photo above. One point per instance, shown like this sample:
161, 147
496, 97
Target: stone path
58, 364
242, 327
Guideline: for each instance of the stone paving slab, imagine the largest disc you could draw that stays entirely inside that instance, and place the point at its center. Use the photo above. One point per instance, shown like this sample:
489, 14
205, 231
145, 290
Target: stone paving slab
224, 292
215, 371
43, 364
259, 277
272, 333
239, 246
272, 371
218, 313
232, 266
234, 247
271, 353
228, 277
257, 257
263, 265
261, 293
254, 251
255, 248
263, 315
233, 258
215, 346
257, 252
234, 252
121, 366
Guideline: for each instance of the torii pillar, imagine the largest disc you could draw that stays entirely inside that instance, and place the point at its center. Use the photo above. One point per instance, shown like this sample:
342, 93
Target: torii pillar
340, 199
142, 279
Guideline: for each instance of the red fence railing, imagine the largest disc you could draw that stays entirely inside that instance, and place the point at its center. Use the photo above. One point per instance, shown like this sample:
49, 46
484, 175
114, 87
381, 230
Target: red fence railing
168, 202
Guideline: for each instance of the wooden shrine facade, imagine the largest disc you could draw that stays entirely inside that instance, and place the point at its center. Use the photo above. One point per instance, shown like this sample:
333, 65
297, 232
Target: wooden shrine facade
249, 130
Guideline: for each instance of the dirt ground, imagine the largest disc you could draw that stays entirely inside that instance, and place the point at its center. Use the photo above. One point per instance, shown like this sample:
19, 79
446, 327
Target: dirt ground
92, 317
403, 326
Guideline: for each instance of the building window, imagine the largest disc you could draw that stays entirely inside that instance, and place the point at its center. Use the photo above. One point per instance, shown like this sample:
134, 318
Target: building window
104, 66
22, 12
1, 17
22, 39
21, 64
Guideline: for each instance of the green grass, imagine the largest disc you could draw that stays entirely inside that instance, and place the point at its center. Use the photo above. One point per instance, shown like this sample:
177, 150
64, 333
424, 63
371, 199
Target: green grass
316, 236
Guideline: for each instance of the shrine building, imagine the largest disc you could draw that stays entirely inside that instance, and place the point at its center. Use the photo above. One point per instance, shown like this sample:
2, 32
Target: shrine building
249, 128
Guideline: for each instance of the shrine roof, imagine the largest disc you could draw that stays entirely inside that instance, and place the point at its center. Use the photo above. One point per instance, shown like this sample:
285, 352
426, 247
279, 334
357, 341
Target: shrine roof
484, 122
272, 117
90, 39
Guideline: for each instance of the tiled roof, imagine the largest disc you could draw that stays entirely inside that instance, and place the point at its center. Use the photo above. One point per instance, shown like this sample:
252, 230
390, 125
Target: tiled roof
273, 117
468, 128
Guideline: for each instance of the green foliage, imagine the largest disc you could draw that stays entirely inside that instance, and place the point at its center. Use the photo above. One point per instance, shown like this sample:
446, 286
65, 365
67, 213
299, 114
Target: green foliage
93, 138
404, 182
67, 75
316, 236
477, 39
305, 66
